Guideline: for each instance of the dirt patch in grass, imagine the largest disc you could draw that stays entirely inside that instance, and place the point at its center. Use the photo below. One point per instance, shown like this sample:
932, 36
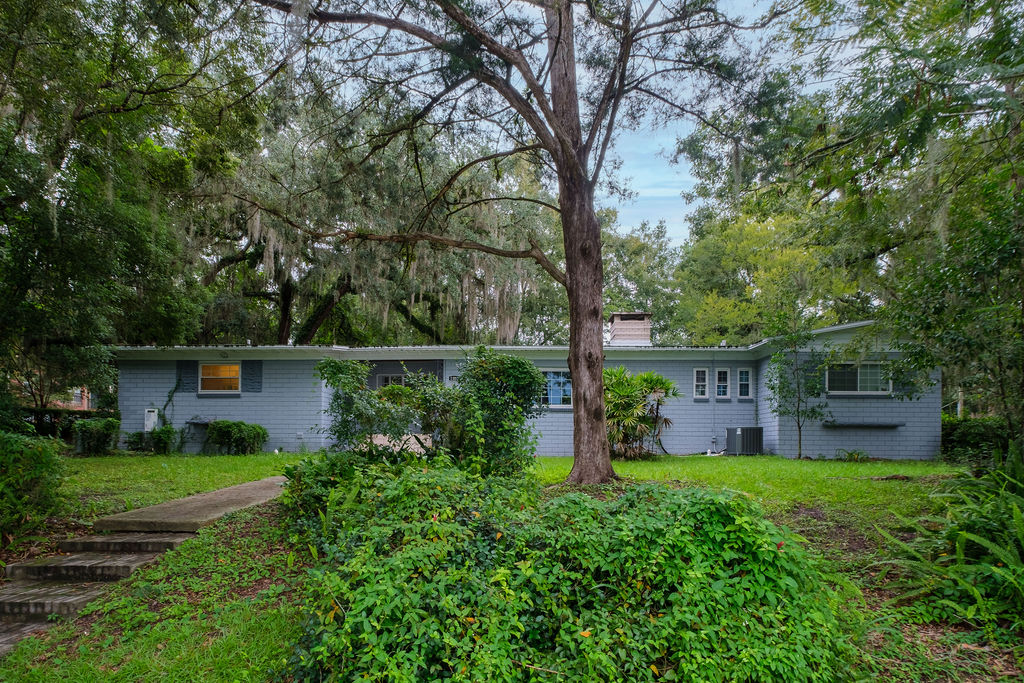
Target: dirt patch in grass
828, 533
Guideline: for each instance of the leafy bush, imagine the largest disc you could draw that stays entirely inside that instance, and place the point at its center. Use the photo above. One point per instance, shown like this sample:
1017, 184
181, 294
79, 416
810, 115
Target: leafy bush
96, 436
30, 478
311, 481
136, 441
972, 440
437, 574
237, 438
972, 559
633, 411
508, 390
498, 380
165, 439
357, 412
161, 440
12, 415
480, 425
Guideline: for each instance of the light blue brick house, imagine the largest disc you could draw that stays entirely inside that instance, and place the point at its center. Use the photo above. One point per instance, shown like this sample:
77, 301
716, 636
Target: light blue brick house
722, 389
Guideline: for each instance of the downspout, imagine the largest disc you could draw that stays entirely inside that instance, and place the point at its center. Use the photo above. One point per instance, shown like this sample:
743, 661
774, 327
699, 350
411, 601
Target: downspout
712, 394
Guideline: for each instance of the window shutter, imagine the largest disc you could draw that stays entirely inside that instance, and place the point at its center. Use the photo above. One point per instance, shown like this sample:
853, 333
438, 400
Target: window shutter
252, 376
188, 375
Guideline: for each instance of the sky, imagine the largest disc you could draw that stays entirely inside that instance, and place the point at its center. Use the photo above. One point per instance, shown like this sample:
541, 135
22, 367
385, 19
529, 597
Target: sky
655, 181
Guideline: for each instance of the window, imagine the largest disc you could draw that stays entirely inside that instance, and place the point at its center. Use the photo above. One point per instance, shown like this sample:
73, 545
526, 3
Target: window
219, 377
700, 383
386, 380
850, 378
559, 391
743, 388
721, 384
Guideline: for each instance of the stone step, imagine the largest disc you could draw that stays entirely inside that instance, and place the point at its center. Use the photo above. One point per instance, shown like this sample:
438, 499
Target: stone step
81, 566
36, 600
11, 633
132, 542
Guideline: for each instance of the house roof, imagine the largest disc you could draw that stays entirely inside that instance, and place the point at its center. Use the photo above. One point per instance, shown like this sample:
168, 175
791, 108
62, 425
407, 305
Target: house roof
746, 352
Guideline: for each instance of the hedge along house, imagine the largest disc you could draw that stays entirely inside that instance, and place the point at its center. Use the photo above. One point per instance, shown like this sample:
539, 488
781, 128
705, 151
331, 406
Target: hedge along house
722, 390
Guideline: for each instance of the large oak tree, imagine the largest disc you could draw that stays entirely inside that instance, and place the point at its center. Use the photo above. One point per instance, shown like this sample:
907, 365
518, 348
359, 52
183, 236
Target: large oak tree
550, 79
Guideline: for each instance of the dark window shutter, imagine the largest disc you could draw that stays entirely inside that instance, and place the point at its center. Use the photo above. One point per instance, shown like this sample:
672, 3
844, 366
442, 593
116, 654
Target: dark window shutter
252, 376
188, 375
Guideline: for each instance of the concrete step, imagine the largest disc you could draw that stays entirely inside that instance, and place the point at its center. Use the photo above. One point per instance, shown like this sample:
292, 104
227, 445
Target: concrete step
11, 633
194, 512
36, 600
81, 566
132, 542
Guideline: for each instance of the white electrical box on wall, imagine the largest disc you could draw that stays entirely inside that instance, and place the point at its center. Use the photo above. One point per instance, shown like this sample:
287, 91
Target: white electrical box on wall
150, 422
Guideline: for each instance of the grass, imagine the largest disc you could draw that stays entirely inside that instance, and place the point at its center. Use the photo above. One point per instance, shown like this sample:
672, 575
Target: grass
222, 607
104, 485
780, 485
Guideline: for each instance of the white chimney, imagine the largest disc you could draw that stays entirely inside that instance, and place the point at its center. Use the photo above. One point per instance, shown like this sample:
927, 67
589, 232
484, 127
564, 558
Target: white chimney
630, 329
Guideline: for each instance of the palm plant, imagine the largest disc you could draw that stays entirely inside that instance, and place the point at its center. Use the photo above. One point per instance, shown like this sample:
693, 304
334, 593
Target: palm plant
633, 411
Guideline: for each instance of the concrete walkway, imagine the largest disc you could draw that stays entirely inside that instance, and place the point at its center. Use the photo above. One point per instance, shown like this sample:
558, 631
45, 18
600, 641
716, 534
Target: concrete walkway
63, 584
189, 514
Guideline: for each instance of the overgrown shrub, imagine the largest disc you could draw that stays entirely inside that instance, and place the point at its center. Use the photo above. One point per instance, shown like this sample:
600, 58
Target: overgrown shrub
973, 440
311, 481
436, 574
96, 436
136, 441
357, 412
237, 438
970, 561
30, 478
508, 390
480, 424
633, 411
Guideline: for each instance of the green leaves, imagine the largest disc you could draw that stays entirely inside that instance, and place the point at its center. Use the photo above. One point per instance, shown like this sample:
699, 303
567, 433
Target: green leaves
633, 411
236, 437
31, 472
438, 574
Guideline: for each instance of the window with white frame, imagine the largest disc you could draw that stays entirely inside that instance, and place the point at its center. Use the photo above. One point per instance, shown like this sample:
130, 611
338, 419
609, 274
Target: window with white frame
700, 382
220, 378
387, 380
857, 378
559, 388
721, 383
743, 383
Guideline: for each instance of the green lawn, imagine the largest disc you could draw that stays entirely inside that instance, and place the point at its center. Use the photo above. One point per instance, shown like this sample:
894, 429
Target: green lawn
780, 484
103, 485
223, 607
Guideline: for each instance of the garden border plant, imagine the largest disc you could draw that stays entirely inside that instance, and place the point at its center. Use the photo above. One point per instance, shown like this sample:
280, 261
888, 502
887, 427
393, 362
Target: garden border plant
236, 437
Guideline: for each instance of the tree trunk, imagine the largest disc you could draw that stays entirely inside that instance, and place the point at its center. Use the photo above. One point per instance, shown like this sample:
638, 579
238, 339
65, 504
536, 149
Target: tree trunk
284, 321
584, 275
322, 310
584, 272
